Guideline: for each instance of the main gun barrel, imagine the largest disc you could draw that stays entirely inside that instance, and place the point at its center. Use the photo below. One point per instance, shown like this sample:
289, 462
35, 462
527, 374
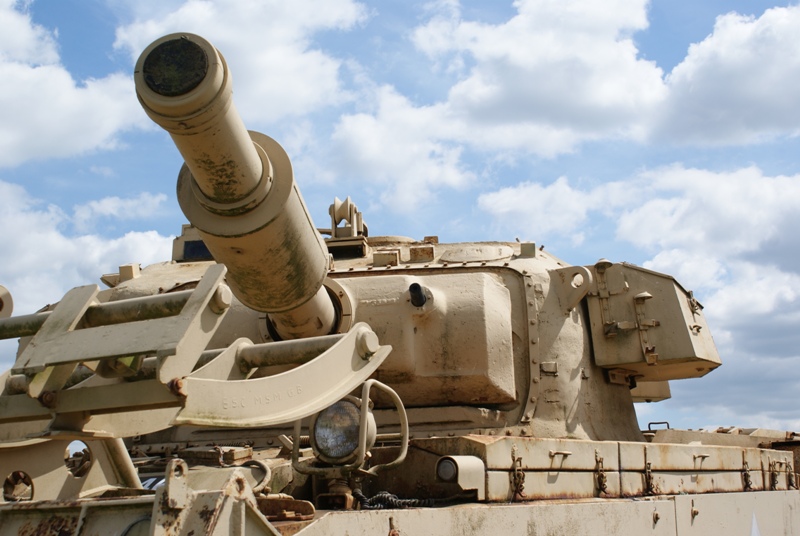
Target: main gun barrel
237, 187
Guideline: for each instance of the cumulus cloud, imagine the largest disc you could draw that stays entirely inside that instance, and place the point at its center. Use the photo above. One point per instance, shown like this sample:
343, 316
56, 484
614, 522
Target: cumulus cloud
20, 40
538, 209
135, 208
737, 86
402, 146
558, 74
58, 116
268, 45
46, 260
553, 67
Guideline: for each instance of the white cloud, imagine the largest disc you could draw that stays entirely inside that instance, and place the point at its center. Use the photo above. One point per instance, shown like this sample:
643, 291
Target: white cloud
136, 208
42, 263
554, 75
714, 214
551, 76
403, 146
20, 40
539, 210
47, 113
738, 85
277, 72
557, 74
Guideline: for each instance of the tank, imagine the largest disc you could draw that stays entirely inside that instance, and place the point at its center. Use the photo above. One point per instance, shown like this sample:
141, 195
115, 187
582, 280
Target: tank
276, 378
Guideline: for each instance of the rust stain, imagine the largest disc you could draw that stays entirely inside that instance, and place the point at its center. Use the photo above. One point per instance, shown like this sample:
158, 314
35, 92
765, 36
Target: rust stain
207, 515
51, 526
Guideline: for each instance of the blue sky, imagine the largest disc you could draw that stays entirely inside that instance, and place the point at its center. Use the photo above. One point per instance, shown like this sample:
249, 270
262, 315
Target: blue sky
662, 133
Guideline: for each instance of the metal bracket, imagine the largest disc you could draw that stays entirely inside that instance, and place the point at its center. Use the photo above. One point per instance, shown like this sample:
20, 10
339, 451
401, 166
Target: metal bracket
361, 452
572, 284
64, 338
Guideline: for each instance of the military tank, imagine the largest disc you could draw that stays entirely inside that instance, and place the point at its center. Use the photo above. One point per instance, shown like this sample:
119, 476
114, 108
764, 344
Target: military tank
268, 380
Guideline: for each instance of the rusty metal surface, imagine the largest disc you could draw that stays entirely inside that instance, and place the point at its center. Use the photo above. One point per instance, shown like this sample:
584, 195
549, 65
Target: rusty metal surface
285, 509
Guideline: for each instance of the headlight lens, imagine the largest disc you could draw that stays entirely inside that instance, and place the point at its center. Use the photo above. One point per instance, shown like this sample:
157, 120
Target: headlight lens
334, 432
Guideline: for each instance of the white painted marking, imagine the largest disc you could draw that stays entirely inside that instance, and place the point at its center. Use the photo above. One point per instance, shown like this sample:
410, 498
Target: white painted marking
754, 527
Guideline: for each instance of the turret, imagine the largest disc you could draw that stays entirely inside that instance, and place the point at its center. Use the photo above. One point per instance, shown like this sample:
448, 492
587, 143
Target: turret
237, 187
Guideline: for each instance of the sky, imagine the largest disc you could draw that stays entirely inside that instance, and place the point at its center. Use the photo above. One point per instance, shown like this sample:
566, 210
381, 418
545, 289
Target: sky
662, 133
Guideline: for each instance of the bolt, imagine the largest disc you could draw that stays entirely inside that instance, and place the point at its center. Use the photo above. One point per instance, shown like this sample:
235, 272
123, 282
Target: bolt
221, 300
367, 344
656, 517
48, 399
176, 387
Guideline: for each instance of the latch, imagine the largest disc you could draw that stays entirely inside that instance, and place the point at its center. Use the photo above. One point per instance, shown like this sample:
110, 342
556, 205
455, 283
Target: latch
774, 473
518, 475
650, 355
649, 488
600, 473
611, 327
747, 480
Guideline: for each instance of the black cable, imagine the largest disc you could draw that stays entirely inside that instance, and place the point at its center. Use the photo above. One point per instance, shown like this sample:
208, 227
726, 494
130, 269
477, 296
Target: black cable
384, 499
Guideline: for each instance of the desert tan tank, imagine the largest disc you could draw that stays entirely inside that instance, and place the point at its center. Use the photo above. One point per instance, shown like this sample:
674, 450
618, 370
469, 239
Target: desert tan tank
267, 380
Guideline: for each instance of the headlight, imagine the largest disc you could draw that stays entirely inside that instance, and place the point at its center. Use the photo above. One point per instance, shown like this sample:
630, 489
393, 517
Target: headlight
335, 432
